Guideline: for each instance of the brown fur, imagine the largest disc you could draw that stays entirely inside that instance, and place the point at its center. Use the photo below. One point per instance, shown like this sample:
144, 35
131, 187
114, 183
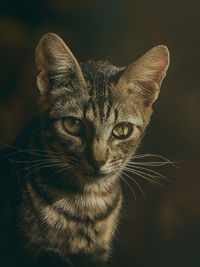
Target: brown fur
69, 193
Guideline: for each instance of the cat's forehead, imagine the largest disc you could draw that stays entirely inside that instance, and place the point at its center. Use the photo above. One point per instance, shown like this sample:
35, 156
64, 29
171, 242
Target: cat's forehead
98, 102
93, 70
100, 77
113, 113
103, 110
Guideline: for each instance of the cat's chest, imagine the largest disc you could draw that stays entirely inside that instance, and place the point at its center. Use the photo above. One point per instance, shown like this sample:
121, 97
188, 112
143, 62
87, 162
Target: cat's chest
84, 230
76, 222
88, 207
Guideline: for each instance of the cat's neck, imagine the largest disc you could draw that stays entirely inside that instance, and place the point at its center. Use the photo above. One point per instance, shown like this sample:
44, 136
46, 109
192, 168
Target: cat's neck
53, 191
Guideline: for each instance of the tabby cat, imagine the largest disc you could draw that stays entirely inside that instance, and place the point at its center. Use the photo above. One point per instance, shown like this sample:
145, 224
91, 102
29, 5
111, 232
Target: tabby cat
63, 182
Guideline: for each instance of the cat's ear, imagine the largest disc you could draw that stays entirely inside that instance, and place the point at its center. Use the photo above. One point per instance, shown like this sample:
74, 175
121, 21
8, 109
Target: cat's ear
56, 64
146, 74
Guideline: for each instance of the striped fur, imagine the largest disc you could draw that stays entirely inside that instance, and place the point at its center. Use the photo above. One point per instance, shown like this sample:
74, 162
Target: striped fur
67, 207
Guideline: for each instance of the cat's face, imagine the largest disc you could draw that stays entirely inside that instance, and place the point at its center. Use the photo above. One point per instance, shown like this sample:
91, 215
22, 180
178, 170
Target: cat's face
101, 133
97, 112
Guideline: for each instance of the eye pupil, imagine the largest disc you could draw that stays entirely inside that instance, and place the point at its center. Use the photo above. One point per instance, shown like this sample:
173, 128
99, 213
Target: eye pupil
122, 130
72, 125
125, 130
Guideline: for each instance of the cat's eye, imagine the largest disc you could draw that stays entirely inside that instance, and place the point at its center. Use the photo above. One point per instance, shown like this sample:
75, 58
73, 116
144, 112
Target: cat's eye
122, 130
73, 126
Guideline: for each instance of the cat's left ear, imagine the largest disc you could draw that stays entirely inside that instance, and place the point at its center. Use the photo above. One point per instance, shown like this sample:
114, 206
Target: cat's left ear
145, 75
56, 64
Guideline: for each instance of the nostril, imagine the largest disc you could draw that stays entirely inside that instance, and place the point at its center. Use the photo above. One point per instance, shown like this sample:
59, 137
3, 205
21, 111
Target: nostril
98, 163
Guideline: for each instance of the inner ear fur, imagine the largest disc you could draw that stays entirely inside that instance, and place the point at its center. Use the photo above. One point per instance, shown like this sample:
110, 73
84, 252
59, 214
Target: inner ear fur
55, 63
145, 75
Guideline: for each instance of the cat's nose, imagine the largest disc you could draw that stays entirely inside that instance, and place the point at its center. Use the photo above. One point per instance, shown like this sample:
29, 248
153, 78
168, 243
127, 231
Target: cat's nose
99, 154
98, 163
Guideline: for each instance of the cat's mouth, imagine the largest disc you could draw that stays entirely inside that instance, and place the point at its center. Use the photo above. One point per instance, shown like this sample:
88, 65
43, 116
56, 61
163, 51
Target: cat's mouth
95, 174
92, 174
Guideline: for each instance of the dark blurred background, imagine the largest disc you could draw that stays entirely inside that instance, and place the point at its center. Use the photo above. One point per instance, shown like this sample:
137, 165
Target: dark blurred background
163, 229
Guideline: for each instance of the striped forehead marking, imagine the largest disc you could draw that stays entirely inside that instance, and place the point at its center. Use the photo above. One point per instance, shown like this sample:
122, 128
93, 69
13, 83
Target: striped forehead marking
101, 97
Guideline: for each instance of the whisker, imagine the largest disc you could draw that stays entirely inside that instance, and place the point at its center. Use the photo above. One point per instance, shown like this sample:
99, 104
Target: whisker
43, 167
145, 176
142, 173
43, 153
115, 164
152, 163
129, 186
163, 160
51, 163
148, 172
34, 166
68, 159
131, 178
149, 155
34, 161
146, 169
65, 168
29, 151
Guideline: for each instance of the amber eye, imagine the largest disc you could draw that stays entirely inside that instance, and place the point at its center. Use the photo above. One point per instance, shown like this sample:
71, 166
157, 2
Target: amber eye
122, 130
73, 126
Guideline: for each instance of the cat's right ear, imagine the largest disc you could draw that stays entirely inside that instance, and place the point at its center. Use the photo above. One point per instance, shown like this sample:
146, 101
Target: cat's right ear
56, 64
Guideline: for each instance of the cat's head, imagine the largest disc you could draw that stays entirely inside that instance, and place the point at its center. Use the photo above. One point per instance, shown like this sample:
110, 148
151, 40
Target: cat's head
96, 113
